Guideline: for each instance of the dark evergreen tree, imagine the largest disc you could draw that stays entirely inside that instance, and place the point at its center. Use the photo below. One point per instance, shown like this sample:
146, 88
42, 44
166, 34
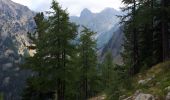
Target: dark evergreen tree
114, 78
36, 88
108, 71
62, 34
165, 4
150, 23
53, 62
88, 65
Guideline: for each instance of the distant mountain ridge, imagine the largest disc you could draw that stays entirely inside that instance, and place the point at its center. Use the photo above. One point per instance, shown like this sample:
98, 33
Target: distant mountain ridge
101, 23
106, 24
98, 22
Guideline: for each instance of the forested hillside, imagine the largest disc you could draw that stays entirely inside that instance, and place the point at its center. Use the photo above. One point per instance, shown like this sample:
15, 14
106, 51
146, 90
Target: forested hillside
16, 21
65, 64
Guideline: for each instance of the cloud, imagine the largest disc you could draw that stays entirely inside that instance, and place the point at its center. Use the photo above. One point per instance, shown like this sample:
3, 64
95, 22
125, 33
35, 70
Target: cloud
74, 6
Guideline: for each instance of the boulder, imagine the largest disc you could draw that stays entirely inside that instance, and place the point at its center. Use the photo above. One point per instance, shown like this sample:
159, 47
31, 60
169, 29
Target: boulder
138, 95
143, 96
145, 81
7, 66
168, 96
142, 82
167, 89
6, 81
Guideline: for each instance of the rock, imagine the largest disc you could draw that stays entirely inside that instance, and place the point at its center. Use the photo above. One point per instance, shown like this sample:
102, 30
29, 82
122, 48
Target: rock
153, 76
129, 98
102, 97
122, 97
137, 92
168, 96
167, 89
138, 95
7, 66
145, 81
9, 52
149, 79
158, 83
17, 69
6, 81
157, 98
142, 82
143, 96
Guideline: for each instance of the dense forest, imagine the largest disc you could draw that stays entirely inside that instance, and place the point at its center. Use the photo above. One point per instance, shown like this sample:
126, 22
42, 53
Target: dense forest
65, 65
146, 28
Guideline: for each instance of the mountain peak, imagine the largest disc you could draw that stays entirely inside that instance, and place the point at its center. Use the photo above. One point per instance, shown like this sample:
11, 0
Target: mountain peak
5, 1
109, 10
85, 12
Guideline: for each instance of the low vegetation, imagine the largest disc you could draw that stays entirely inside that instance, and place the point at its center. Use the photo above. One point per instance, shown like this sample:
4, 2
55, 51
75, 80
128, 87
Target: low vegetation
155, 81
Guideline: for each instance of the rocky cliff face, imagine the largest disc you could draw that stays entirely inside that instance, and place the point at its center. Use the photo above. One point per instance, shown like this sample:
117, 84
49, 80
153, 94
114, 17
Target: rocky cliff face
115, 46
15, 21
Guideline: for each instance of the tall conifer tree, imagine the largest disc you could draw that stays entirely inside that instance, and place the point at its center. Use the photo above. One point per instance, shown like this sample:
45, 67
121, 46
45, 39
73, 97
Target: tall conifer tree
88, 65
52, 62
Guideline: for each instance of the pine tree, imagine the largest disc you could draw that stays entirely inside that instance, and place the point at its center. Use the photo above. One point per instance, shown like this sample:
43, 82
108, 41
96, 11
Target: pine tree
108, 71
88, 65
63, 33
36, 88
164, 28
114, 78
151, 33
1, 96
53, 62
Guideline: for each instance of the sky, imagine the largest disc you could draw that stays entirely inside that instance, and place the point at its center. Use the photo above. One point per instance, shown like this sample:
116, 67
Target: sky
74, 7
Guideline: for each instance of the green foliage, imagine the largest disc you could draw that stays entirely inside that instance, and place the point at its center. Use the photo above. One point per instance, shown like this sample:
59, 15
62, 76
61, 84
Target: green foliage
65, 70
62, 70
87, 62
53, 62
108, 72
1, 96
157, 85
114, 78
147, 19
150, 21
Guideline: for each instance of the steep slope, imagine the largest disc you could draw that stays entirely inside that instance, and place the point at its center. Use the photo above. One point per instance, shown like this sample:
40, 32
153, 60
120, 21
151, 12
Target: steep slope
114, 45
15, 21
153, 83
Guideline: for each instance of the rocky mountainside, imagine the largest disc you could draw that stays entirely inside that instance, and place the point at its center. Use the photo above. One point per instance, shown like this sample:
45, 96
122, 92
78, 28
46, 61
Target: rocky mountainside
114, 46
15, 21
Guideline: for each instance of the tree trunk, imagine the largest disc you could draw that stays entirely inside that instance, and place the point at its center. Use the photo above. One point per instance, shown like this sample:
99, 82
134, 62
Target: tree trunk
164, 32
135, 43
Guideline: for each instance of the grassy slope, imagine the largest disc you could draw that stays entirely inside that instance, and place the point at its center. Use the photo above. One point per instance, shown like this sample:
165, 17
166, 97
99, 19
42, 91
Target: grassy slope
160, 80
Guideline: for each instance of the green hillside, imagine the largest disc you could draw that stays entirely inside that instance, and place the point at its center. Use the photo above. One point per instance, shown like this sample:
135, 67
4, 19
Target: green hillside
155, 81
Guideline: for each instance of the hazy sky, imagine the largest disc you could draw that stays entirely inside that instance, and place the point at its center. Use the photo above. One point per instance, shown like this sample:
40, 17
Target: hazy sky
74, 6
